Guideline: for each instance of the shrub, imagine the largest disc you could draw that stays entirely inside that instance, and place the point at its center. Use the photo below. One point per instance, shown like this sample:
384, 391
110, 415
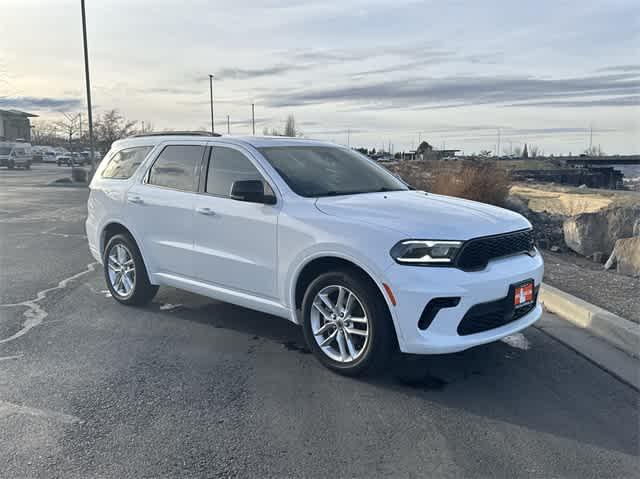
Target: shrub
475, 180
481, 181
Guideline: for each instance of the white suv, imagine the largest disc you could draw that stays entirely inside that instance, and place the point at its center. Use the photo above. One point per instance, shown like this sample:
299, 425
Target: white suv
315, 233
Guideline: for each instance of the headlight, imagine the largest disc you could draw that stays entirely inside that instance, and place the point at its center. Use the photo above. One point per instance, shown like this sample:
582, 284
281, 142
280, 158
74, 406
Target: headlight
425, 251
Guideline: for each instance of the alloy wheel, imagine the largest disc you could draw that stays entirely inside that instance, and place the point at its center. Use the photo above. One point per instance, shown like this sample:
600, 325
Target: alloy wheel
121, 270
340, 324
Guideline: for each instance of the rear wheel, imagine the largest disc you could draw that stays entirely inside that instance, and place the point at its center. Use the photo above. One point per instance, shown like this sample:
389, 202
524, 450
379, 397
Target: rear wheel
27, 165
125, 272
346, 323
11, 165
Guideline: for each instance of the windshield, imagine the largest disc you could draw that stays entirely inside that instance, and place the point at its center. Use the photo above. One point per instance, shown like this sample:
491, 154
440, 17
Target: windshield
313, 171
5, 150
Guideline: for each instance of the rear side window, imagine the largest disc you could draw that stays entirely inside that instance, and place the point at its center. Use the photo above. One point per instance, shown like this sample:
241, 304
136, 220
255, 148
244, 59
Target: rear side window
124, 163
176, 167
226, 166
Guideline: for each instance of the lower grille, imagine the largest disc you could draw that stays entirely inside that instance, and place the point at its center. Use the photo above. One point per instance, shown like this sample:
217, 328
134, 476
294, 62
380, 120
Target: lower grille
486, 316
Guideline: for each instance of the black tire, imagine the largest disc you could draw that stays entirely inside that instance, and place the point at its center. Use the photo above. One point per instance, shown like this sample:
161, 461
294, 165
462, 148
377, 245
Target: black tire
59, 164
143, 291
27, 165
11, 165
382, 339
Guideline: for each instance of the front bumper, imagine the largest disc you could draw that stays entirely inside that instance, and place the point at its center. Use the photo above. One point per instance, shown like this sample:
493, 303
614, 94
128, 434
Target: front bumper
415, 286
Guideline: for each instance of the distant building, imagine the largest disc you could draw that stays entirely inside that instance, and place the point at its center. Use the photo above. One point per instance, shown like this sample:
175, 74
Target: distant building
15, 125
425, 151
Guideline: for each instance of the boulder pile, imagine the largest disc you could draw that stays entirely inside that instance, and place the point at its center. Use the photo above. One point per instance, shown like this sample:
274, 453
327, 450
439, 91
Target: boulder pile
603, 226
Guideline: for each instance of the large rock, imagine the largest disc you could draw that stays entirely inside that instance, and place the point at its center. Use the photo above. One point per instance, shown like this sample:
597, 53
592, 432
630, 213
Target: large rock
589, 233
627, 254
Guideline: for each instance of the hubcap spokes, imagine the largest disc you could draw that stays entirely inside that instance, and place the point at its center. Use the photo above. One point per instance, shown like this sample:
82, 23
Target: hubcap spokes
122, 270
339, 323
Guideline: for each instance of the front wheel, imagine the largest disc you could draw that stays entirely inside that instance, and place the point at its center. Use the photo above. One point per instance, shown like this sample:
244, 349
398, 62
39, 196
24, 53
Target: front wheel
11, 165
27, 165
346, 323
125, 272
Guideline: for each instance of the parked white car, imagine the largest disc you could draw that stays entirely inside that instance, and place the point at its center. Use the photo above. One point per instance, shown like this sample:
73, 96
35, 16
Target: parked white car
315, 233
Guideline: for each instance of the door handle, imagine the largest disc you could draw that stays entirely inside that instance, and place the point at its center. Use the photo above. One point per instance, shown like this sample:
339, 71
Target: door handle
205, 211
135, 199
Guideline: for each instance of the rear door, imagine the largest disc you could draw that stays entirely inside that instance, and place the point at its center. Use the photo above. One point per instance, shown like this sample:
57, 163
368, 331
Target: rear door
162, 207
234, 241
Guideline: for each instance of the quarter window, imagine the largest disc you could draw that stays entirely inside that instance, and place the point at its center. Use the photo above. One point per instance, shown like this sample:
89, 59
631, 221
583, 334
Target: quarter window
226, 166
176, 167
124, 163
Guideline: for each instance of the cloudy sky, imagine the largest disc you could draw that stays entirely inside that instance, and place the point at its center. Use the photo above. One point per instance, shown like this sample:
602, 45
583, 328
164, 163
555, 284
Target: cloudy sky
451, 72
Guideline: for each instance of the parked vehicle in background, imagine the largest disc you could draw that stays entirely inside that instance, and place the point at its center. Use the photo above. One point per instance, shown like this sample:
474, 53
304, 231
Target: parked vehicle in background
15, 154
64, 160
72, 159
315, 233
48, 157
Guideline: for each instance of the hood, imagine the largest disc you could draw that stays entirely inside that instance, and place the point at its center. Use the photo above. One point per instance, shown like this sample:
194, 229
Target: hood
425, 216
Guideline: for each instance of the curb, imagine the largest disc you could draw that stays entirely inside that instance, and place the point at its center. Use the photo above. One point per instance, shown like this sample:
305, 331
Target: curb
620, 332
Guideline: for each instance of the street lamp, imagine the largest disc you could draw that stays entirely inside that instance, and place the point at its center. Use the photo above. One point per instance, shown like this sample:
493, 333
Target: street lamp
88, 83
213, 130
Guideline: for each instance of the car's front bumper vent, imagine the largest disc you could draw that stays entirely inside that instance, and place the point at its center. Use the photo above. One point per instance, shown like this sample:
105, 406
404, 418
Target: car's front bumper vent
491, 315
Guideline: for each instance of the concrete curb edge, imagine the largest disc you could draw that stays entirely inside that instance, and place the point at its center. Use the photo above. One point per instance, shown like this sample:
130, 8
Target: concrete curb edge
620, 332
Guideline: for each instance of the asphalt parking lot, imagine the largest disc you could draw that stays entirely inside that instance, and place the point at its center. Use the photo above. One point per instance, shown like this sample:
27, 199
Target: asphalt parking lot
191, 387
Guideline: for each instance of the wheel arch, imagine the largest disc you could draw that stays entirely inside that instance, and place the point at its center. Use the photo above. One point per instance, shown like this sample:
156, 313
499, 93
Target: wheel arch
115, 227
321, 263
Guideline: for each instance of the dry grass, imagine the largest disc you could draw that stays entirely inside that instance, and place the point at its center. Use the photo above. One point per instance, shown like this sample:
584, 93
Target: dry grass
482, 181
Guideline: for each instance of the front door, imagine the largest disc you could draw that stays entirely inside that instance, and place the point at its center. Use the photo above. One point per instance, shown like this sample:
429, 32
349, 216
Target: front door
234, 241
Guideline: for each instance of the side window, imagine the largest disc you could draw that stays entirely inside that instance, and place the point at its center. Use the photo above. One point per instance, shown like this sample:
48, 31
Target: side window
125, 163
226, 166
176, 167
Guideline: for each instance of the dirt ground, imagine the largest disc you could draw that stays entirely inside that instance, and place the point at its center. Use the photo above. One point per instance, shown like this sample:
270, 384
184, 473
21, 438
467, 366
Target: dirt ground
587, 280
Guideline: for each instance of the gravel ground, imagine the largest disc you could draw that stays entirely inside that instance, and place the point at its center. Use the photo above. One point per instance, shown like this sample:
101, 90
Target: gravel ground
589, 281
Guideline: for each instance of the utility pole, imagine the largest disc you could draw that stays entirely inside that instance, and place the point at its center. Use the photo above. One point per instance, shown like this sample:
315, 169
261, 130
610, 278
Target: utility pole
80, 125
498, 149
213, 130
88, 83
228, 126
590, 137
253, 118
348, 137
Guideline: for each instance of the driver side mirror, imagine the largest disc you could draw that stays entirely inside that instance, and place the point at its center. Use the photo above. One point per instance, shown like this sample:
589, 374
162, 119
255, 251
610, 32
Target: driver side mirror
251, 191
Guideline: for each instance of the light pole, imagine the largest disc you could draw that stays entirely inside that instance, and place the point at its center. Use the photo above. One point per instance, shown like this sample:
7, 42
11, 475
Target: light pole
253, 118
88, 83
213, 130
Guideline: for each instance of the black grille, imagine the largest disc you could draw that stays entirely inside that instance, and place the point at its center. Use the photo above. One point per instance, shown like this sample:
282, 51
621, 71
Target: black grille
486, 316
477, 252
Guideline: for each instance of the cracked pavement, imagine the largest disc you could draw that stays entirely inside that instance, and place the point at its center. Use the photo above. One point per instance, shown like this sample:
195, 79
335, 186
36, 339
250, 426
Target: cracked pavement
191, 387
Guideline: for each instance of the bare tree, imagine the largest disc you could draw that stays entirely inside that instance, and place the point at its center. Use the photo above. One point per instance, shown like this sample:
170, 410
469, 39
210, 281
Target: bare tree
112, 126
45, 133
290, 126
70, 125
485, 153
534, 151
517, 151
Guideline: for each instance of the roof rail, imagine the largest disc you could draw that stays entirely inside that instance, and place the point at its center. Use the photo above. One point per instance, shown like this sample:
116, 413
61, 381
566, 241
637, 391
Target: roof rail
175, 133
